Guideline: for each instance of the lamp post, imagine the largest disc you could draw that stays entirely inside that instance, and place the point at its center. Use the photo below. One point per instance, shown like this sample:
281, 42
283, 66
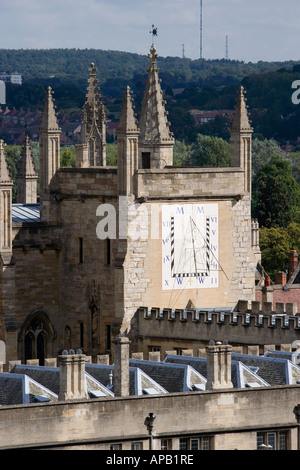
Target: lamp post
149, 423
297, 414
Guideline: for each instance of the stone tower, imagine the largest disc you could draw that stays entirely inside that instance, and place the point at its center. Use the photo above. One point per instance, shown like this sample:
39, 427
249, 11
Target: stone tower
92, 152
241, 136
49, 142
128, 134
156, 141
27, 177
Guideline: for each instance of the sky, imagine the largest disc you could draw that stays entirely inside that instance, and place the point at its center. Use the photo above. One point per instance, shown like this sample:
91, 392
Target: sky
257, 30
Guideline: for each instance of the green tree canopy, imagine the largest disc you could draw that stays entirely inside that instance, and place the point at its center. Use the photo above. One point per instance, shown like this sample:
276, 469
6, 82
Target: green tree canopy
181, 153
263, 151
276, 195
275, 245
111, 154
209, 151
68, 156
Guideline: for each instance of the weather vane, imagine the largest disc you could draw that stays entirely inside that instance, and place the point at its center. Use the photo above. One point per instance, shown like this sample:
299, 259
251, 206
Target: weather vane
153, 32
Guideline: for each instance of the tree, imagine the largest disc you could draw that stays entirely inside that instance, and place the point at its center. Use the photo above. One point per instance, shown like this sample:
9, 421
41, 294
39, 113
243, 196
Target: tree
218, 127
275, 245
111, 154
275, 248
13, 157
276, 195
68, 156
181, 153
263, 151
209, 151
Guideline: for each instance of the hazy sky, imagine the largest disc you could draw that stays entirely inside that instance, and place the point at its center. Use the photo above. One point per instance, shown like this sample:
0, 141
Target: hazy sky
256, 29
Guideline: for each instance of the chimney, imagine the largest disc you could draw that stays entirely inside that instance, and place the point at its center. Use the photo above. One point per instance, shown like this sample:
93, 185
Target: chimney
218, 366
267, 281
280, 278
72, 376
121, 367
293, 262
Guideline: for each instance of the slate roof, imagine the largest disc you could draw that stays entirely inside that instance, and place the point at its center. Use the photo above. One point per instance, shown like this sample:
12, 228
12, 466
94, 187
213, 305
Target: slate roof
17, 389
241, 375
49, 377
29, 383
25, 213
172, 377
139, 382
274, 370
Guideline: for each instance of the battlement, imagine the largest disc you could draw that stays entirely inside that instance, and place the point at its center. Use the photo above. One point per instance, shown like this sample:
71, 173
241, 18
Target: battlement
249, 323
247, 312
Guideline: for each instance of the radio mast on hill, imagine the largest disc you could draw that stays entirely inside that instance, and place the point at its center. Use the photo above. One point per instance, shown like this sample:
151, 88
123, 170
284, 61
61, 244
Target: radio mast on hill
201, 29
226, 49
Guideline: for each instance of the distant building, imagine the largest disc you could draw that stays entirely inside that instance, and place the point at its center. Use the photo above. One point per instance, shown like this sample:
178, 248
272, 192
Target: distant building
15, 78
201, 117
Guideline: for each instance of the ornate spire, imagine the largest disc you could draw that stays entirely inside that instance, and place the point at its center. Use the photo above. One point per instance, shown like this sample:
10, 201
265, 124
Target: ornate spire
49, 119
128, 123
93, 96
154, 124
49, 143
5, 177
241, 116
93, 109
26, 168
94, 122
241, 139
128, 133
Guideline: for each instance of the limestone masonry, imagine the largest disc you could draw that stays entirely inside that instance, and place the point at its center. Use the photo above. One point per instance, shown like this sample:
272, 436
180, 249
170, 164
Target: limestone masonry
103, 242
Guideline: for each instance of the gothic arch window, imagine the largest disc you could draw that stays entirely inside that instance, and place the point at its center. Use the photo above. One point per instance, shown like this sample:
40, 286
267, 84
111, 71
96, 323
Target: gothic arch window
29, 345
36, 336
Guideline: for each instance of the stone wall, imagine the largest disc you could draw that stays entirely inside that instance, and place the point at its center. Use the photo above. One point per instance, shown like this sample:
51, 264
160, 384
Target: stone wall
190, 182
232, 417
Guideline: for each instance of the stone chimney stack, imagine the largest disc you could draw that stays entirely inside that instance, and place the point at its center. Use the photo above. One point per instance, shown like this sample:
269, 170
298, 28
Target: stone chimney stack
121, 367
218, 366
293, 262
72, 376
280, 278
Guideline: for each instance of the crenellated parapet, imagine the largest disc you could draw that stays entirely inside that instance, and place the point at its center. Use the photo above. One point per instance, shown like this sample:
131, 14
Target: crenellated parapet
250, 323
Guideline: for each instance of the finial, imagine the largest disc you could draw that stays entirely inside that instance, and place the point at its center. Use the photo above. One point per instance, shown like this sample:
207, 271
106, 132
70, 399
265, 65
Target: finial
154, 33
153, 55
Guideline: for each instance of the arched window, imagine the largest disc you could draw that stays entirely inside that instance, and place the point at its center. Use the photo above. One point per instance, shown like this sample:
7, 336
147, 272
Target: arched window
36, 335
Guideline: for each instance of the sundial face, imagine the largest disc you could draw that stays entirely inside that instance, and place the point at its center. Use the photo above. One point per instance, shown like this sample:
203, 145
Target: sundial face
190, 246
